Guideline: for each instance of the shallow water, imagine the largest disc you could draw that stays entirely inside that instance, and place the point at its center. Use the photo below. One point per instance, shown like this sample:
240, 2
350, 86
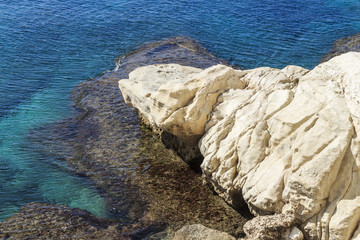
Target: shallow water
47, 47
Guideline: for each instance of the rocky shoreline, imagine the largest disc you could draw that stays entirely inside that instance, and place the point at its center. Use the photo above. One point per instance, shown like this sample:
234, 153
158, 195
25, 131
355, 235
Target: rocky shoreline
283, 141
150, 192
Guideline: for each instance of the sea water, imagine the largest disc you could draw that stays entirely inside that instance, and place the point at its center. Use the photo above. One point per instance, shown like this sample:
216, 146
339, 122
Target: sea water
47, 47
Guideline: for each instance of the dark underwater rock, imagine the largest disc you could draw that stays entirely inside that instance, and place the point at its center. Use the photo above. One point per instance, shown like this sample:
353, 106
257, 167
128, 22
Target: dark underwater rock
343, 45
148, 189
46, 221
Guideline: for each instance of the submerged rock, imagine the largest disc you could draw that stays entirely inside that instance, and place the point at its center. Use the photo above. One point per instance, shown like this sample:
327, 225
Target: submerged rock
46, 221
343, 45
282, 141
148, 189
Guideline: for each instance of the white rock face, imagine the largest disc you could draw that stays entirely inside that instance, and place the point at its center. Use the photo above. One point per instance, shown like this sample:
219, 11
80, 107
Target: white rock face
285, 140
178, 99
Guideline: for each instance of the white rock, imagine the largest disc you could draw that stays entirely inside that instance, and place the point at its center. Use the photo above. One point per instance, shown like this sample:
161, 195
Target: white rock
294, 234
200, 232
286, 140
272, 227
146, 82
178, 99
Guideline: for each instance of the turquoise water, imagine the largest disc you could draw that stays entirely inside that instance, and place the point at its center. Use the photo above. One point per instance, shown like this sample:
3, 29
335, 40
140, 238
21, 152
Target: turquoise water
47, 47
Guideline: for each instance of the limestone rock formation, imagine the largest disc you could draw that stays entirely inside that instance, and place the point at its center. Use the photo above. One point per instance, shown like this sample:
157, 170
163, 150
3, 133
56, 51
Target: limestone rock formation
273, 227
284, 141
176, 98
200, 232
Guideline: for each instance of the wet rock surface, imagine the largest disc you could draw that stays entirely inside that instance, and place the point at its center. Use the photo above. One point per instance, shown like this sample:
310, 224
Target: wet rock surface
149, 190
343, 45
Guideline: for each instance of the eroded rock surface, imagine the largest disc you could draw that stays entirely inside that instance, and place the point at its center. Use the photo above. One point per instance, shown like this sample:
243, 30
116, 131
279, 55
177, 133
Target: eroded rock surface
178, 99
200, 232
273, 227
284, 141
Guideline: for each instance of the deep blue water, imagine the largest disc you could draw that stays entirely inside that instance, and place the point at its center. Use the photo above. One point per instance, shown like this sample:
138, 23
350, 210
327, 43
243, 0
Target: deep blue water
47, 47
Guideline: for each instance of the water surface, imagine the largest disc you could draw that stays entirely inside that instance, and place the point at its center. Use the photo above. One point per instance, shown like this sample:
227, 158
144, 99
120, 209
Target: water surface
47, 47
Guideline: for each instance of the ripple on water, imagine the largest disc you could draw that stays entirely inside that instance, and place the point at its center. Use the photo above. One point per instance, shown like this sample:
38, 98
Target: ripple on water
144, 185
47, 47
